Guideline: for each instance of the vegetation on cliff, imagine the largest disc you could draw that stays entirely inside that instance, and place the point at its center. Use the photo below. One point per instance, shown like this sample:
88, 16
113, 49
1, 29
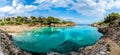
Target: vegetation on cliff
19, 20
112, 19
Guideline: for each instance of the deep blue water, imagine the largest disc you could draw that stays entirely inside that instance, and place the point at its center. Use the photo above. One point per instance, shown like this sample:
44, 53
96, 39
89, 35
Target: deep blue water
57, 39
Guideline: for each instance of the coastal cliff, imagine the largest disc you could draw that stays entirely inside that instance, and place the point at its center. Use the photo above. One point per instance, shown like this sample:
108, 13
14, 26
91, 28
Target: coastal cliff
109, 43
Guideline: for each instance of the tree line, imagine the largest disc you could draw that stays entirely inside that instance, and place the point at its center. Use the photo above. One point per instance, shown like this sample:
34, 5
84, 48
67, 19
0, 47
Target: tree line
32, 20
112, 18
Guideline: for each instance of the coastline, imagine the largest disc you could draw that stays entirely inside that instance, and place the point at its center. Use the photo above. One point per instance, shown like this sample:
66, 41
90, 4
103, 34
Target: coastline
108, 44
11, 30
8, 47
105, 46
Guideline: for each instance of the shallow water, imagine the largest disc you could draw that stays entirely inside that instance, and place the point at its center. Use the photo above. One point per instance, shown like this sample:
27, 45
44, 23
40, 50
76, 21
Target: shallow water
57, 39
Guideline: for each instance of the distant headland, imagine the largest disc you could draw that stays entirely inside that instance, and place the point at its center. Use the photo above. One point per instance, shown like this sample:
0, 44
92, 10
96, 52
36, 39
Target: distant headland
19, 23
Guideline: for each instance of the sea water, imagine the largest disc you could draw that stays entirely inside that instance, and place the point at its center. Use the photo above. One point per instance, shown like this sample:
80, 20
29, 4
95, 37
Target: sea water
57, 39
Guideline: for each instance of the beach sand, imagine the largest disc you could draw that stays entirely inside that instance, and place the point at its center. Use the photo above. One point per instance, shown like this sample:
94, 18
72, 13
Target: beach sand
12, 30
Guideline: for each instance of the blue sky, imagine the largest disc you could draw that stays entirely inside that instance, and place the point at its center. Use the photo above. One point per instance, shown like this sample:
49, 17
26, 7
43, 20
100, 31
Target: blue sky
79, 11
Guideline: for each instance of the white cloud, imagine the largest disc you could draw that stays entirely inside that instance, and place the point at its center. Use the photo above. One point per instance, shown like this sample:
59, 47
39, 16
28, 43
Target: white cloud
22, 9
85, 7
117, 4
92, 8
17, 8
5, 9
14, 3
54, 3
61, 3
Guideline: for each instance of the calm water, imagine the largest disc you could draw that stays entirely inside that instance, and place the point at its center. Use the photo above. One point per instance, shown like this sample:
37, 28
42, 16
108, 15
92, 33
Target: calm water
57, 39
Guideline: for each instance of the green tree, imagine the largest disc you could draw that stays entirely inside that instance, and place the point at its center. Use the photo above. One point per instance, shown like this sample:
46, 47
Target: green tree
32, 18
111, 17
25, 21
2, 23
32, 21
19, 20
39, 19
45, 22
7, 19
63, 22
50, 19
56, 21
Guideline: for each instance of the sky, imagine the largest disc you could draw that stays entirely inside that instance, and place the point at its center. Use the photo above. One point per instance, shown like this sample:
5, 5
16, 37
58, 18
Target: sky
79, 11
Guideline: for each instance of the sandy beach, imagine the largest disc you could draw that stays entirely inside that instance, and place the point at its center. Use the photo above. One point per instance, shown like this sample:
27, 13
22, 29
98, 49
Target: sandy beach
16, 28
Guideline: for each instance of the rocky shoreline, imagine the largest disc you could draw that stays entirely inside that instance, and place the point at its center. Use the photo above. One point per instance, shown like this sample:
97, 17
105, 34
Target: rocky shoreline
109, 44
7, 46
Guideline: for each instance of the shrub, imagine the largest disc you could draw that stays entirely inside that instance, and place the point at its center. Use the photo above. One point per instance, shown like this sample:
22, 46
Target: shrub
111, 17
1, 24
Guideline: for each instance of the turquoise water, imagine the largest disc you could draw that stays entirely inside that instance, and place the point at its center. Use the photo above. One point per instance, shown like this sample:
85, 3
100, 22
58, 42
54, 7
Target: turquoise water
57, 39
